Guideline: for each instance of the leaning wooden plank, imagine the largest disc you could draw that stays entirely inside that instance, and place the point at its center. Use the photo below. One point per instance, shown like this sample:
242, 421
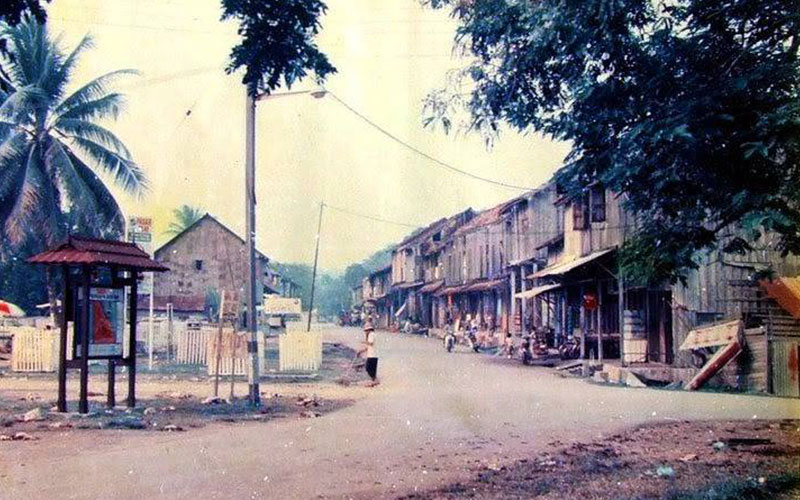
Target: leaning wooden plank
714, 335
569, 366
718, 361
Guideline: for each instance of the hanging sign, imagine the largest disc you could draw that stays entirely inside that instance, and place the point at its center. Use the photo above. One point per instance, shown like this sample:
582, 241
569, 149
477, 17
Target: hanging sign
590, 301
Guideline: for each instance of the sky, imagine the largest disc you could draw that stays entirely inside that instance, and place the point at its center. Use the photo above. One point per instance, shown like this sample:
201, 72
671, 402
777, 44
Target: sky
185, 117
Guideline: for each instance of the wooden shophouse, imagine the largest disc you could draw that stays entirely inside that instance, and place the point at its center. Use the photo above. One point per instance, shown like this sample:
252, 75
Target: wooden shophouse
474, 262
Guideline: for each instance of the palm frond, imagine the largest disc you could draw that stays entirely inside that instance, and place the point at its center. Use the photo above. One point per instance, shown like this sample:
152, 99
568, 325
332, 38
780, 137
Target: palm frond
18, 106
93, 132
68, 65
31, 49
92, 91
112, 219
13, 154
108, 106
126, 173
22, 213
92, 207
184, 216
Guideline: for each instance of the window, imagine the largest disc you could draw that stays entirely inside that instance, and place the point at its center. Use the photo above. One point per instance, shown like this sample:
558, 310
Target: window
438, 236
580, 213
598, 195
198, 265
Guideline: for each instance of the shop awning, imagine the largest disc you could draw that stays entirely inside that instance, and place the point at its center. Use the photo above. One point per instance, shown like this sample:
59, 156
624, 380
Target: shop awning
406, 286
565, 267
450, 290
533, 292
432, 287
485, 286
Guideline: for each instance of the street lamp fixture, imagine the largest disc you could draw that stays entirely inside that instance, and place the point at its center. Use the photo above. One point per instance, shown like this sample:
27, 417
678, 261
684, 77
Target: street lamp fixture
250, 196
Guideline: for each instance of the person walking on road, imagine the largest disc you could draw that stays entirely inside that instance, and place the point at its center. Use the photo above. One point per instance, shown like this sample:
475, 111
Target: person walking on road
370, 352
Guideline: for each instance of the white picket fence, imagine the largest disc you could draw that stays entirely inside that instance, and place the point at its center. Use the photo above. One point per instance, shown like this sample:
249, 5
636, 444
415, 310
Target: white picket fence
192, 346
34, 350
300, 351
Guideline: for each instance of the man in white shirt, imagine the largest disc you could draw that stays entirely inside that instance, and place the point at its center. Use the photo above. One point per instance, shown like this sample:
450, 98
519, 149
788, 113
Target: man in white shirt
370, 352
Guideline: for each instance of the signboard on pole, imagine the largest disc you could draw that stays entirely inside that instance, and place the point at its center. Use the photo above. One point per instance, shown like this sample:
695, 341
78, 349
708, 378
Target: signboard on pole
274, 304
140, 231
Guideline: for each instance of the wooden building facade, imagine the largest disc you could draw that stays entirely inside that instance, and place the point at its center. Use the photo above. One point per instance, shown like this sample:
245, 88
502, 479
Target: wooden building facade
207, 258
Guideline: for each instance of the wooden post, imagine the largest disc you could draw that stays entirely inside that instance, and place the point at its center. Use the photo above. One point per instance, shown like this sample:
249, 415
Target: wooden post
621, 312
600, 322
62, 344
112, 396
218, 350
584, 331
83, 402
132, 340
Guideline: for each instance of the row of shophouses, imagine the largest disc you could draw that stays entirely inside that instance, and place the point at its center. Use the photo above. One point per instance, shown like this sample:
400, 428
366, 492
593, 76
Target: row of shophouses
546, 265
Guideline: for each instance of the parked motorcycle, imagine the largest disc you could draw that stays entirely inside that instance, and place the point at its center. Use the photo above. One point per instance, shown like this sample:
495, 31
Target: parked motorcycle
570, 349
472, 338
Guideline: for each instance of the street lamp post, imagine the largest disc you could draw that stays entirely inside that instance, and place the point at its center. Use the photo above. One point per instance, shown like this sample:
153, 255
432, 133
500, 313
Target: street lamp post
250, 210
253, 374
314, 272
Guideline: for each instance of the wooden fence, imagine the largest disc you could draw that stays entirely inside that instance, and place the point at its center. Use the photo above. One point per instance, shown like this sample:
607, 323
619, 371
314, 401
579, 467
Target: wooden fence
233, 351
34, 350
192, 346
300, 351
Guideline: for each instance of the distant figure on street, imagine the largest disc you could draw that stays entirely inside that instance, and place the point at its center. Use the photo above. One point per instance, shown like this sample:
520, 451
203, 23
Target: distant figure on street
370, 352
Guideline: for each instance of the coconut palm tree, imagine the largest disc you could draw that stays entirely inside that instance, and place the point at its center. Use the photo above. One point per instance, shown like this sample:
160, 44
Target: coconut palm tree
55, 155
185, 216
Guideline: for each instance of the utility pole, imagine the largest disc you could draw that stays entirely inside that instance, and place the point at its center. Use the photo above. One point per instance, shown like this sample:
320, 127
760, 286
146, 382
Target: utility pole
314, 273
253, 373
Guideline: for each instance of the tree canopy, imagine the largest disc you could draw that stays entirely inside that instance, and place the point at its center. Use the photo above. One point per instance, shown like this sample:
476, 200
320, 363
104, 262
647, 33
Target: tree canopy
53, 148
277, 46
689, 109
184, 216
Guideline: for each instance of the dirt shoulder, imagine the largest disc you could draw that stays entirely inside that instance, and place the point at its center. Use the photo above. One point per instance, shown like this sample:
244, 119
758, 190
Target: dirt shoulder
683, 460
172, 399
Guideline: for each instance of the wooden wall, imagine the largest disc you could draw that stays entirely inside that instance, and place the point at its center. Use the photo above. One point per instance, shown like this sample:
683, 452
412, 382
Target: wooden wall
224, 260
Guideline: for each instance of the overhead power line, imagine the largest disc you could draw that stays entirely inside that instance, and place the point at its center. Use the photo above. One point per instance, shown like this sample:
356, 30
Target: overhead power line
422, 153
371, 217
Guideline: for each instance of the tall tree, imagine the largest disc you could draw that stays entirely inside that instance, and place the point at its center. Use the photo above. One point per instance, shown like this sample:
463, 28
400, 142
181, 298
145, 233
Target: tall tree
689, 108
184, 217
53, 147
13, 11
277, 46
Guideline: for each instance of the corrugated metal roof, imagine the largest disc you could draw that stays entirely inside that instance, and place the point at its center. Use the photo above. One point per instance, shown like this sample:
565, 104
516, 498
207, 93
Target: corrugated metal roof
432, 287
786, 292
79, 250
485, 285
533, 292
565, 267
403, 286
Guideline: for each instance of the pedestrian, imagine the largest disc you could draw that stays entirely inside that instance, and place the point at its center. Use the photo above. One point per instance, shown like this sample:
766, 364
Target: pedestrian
371, 353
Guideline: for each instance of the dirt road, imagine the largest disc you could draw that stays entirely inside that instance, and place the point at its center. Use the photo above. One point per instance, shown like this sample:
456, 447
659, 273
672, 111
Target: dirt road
434, 418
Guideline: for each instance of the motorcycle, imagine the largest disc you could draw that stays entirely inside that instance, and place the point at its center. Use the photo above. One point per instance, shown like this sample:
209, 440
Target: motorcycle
472, 338
570, 349
449, 338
